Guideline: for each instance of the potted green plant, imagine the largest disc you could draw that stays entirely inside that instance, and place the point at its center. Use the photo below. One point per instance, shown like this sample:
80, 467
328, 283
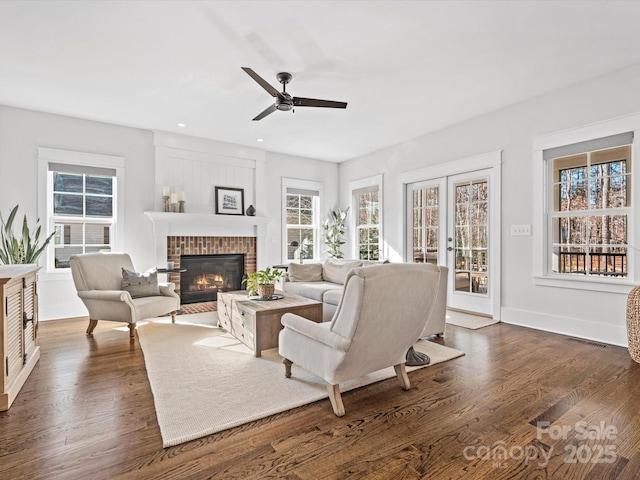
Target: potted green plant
25, 248
334, 228
262, 282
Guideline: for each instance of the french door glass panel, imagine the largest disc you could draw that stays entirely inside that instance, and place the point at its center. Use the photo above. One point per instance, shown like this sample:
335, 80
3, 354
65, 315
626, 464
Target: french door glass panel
471, 234
448, 224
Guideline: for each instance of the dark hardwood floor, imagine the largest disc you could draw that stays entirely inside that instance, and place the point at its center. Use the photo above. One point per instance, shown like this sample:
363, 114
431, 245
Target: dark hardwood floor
86, 412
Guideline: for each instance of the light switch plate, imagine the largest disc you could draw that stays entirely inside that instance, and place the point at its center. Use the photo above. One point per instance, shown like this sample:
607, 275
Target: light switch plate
520, 230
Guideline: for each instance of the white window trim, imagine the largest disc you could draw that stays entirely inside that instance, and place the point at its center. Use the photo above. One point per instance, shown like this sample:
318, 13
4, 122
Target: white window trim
541, 274
303, 185
375, 180
45, 212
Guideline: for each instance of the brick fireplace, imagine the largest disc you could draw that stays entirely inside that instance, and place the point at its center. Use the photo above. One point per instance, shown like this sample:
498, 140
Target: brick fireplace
179, 246
177, 234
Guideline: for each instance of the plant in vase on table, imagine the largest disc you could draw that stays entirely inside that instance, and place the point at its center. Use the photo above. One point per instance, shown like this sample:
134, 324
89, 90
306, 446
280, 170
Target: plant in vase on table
262, 282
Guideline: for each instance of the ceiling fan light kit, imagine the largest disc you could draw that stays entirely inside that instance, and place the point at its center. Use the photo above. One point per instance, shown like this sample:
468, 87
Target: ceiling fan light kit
283, 100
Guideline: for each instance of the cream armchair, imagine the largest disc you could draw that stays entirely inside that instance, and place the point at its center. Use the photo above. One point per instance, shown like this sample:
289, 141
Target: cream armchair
98, 280
380, 316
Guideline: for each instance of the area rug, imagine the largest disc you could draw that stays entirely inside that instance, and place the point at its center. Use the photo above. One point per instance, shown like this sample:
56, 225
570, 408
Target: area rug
204, 380
473, 322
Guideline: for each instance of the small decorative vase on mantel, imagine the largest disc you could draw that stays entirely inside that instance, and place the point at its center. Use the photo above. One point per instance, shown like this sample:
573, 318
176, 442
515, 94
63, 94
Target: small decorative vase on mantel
251, 211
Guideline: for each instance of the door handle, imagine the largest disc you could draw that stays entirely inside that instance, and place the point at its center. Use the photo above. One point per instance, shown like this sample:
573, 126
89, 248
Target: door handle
449, 248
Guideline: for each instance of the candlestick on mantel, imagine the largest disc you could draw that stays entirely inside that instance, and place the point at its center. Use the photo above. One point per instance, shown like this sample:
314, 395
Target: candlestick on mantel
181, 197
181, 207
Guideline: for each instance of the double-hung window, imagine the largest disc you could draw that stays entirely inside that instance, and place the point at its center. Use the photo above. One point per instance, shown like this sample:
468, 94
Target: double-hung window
590, 220
301, 220
82, 202
366, 205
591, 212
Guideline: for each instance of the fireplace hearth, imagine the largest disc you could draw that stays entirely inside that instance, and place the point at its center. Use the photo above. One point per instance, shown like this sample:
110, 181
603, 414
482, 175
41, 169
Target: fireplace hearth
206, 275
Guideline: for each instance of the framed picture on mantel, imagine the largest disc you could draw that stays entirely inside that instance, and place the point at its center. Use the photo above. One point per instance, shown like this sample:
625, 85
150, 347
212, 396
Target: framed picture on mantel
229, 201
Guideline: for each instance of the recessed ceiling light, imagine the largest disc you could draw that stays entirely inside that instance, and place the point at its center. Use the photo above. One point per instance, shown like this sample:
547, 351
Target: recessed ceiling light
181, 125
260, 140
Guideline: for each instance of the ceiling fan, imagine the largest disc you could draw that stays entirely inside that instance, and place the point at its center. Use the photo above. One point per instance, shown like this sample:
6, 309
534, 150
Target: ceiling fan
284, 101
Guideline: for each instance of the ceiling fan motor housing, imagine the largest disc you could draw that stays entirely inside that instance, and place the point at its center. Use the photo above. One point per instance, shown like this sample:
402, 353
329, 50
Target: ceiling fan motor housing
284, 102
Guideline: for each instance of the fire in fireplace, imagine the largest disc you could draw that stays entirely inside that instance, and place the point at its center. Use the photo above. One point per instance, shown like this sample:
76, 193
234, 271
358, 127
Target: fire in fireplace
206, 275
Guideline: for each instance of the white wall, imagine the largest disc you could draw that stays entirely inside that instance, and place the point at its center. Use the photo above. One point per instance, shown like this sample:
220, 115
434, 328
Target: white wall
594, 315
23, 131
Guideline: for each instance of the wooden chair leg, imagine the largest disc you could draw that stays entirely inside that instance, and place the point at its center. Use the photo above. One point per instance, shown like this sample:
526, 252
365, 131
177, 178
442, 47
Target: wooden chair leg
173, 317
287, 367
336, 399
91, 327
401, 372
132, 329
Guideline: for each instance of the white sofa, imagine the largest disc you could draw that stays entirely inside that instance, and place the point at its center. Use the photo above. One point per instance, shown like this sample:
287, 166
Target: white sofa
324, 282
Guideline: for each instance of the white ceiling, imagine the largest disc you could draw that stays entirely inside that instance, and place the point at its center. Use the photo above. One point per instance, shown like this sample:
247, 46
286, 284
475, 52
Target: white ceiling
406, 68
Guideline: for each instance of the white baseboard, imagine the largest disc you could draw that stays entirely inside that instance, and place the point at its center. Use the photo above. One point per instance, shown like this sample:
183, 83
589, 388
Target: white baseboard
59, 311
574, 327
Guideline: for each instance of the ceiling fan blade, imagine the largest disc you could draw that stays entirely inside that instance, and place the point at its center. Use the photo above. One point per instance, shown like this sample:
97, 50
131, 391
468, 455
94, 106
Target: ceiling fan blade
262, 82
314, 102
268, 111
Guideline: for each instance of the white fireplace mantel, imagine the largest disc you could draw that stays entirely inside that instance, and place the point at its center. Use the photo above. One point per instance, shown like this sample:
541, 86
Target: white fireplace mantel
167, 224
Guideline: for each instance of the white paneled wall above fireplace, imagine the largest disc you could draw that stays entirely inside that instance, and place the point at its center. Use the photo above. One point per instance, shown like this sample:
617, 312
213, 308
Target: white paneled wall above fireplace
196, 166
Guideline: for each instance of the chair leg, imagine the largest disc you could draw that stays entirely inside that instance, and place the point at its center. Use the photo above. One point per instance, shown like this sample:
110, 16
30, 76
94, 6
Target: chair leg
401, 372
336, 399
91, 327
173, 317
287, 367
132, 329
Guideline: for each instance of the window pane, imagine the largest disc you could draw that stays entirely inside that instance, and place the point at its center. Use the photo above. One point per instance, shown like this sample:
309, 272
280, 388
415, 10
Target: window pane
306, 217
62, 255
569, 260
607, 261
64, 182
293, 201
99, 185
300, 243
374, 236
479, 283
97, 234
572, 230
67, 204
293, 216
306, 202
99, 206
607, 229
463, 282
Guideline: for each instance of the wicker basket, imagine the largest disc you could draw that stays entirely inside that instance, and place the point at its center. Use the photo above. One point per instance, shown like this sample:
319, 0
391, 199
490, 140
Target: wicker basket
266, 290
633, 323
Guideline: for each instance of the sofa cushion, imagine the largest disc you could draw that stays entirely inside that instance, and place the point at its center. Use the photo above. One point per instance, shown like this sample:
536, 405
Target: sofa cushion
140, 284
332, 297
312, 290
336, 270
305, 272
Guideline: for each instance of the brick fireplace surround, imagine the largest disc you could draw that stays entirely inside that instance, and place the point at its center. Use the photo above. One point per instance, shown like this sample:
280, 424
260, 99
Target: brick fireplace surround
177, 246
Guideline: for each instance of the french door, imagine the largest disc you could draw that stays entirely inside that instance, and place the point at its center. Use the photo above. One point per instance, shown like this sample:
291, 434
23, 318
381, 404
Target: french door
449, 223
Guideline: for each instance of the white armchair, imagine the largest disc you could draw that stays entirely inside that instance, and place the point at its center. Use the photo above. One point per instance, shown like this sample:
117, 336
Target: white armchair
98, 280
381, 314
